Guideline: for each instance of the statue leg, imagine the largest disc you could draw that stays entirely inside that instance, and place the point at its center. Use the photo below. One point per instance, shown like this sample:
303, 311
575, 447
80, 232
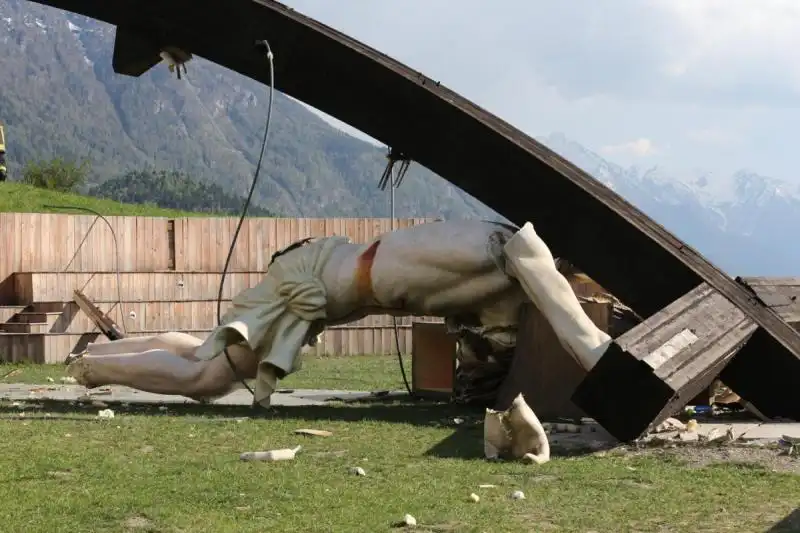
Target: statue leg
530, 262
162, 371
181, 344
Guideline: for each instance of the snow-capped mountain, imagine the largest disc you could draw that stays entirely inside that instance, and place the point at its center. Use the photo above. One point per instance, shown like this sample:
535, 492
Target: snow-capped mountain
744, 223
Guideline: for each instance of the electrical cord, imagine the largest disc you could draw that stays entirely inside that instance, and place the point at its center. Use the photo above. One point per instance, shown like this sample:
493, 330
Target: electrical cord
270, 58
388, 179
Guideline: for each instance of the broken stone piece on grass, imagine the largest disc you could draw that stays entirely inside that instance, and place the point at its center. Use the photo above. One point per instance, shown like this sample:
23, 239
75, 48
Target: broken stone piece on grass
713, 435
517, 495
357, 470
282, 454
105, 413
474, 497
409, 520
670, 424
516, 432
314, 432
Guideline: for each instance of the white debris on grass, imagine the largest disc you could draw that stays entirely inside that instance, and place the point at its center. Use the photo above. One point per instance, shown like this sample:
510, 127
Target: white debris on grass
283, 454
517, 495
105, 413
409, 520
358, 471
474, 497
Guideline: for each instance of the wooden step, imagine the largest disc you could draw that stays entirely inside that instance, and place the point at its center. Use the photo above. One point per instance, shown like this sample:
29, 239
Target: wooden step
171, 316
41, 347
102, 287
36, 317
25, 327
7, 312
54, 347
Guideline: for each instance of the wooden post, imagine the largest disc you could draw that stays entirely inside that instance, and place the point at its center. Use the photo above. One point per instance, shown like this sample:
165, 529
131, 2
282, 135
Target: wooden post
658, 366
433, 359
542, 370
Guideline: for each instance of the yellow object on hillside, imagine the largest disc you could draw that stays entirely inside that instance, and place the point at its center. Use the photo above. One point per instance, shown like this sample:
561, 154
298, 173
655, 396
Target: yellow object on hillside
3, 169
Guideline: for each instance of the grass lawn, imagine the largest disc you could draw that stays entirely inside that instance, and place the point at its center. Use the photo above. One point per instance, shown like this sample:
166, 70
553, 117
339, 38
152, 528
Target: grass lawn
20, 198
150, 470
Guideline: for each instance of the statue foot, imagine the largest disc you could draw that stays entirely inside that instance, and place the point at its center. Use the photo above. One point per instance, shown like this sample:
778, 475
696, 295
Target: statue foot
77, 368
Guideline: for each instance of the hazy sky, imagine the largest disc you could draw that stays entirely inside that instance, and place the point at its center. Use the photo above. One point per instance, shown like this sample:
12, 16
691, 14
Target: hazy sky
687, 84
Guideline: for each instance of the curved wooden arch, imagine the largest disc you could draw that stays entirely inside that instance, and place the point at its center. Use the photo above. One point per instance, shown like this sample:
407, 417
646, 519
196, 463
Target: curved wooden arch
620, 247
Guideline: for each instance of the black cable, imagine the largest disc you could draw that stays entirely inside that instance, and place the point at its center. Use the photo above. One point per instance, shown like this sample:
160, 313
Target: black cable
400, 356
116, 249
270, 58
388, 180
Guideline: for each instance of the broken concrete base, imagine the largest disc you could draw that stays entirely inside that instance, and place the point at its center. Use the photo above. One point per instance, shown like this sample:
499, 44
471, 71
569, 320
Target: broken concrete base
588, 435
241, 397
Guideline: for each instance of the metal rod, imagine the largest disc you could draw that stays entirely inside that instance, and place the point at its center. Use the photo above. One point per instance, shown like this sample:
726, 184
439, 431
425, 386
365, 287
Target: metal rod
392, 179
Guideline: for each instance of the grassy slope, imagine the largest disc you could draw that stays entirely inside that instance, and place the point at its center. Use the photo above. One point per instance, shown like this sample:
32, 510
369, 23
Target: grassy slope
19, 198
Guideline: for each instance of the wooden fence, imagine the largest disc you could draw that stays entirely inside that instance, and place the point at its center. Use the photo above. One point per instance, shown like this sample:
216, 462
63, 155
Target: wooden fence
85, 246
32, 242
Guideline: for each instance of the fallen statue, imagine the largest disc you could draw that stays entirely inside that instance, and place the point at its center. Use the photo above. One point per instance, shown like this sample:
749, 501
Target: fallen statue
474, 274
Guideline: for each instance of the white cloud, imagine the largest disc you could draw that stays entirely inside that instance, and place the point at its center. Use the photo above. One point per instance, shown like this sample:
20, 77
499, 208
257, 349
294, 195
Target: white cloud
639, 148
714, 136
699, 76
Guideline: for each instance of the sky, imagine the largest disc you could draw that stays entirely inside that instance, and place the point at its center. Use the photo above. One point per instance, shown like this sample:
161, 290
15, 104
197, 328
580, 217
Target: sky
709, 86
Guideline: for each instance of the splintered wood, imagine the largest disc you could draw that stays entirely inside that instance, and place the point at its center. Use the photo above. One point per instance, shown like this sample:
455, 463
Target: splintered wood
659, 365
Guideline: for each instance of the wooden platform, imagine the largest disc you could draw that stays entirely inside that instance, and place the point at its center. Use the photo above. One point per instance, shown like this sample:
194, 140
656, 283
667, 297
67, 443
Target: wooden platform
657, 367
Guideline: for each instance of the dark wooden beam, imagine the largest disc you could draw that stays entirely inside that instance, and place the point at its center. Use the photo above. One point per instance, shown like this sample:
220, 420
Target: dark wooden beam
134, 53
654, 369
769, 379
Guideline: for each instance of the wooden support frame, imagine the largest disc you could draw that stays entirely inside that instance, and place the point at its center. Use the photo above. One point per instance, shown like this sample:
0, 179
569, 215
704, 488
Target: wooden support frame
107, 326
658, 366
769, 379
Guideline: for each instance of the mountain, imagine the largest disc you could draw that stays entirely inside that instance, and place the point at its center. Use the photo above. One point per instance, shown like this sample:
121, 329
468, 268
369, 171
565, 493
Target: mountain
59, 96
173, 190
737, 222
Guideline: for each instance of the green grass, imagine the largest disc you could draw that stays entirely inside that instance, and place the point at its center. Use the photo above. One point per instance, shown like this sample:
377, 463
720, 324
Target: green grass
150, 470
20, 198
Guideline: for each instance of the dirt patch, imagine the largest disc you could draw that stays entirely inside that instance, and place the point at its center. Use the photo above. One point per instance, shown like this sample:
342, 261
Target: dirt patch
138, 523
771, 459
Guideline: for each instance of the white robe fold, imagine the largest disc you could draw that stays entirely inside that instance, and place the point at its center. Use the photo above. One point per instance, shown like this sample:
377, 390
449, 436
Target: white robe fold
274, 318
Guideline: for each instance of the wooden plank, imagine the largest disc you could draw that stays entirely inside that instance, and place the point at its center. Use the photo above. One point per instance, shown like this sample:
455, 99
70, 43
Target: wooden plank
653, 370
769, 379
107, 326
542, 370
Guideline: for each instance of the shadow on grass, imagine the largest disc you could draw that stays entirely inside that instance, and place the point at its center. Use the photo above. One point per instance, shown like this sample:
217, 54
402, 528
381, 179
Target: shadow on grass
464, 442
790, 524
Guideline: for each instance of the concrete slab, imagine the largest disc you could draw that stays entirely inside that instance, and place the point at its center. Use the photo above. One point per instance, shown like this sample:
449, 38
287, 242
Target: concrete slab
773, 431
120, 394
